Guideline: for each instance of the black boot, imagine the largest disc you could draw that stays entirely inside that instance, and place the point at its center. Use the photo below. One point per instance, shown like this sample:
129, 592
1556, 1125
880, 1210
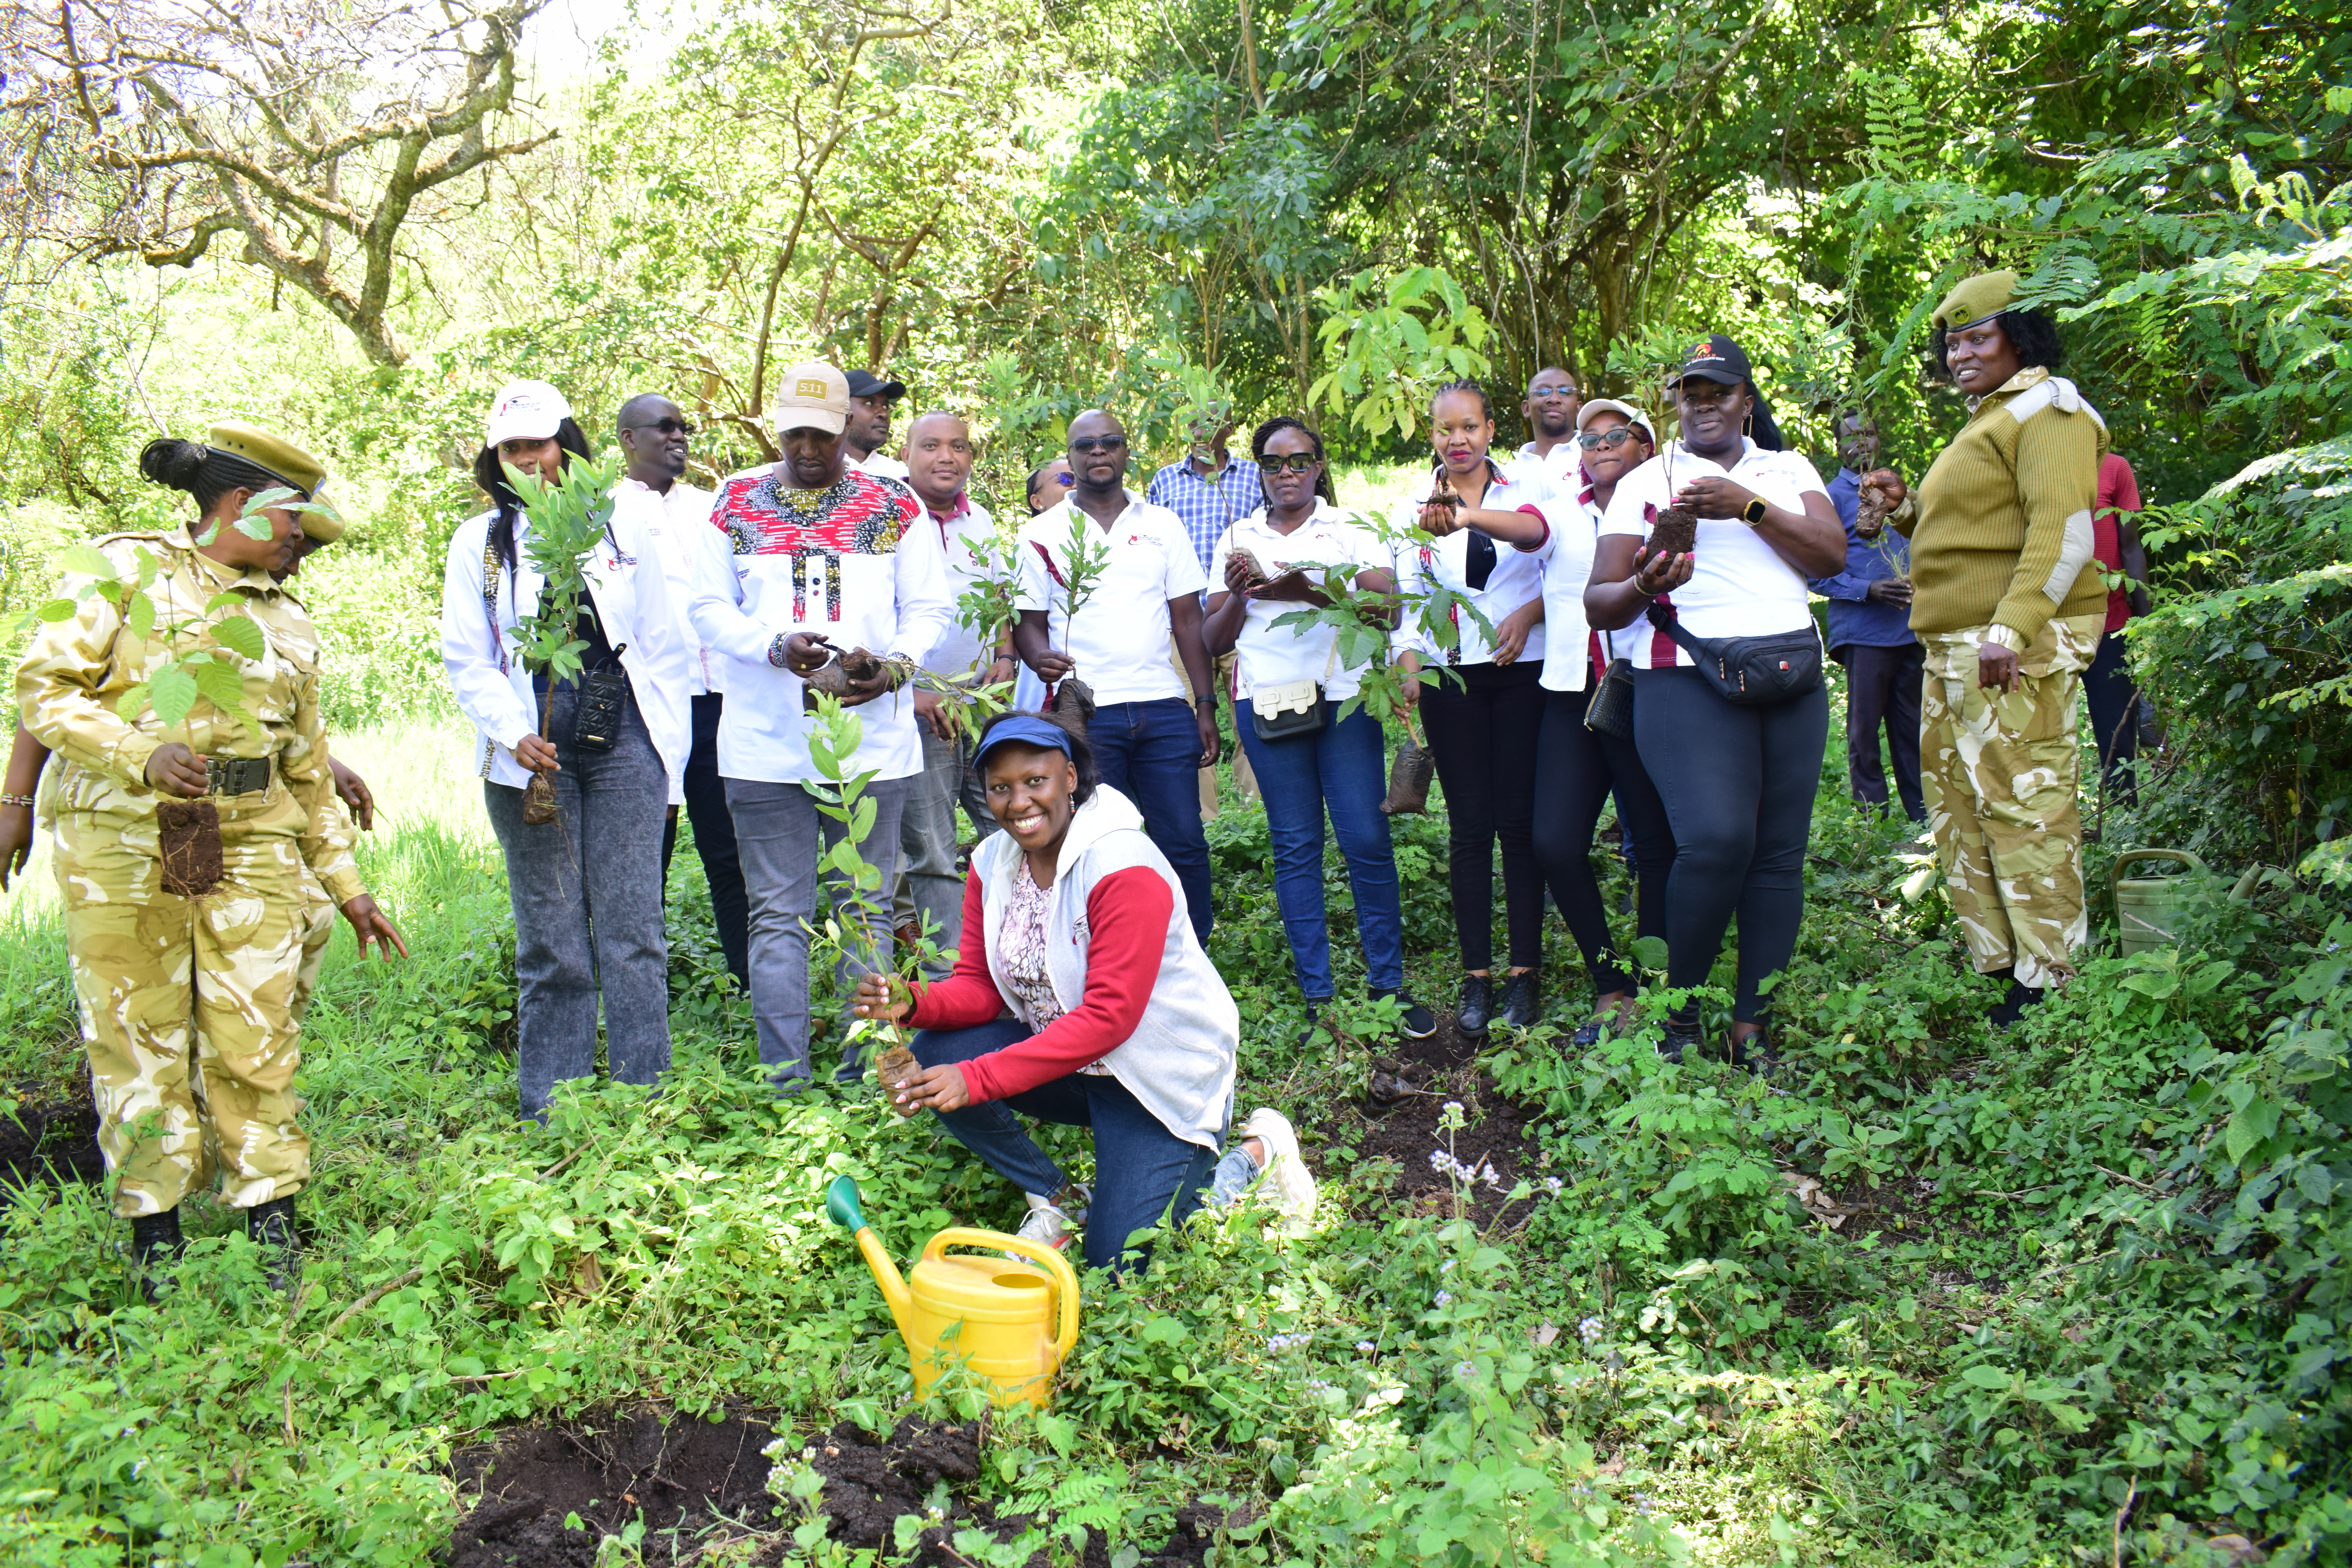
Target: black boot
1477, 1006
2012, 1007
155, 1245
1676, 1040
271, 1227
1522, 1004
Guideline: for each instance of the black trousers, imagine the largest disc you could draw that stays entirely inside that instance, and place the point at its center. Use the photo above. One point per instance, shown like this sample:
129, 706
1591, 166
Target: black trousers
1483, 734
714, 842
1882, 690
2113, 696
1576, 770
1738, 787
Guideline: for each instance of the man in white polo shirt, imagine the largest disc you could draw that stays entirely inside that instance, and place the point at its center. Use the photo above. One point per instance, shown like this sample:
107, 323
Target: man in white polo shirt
1148, 741
676, 516
1551, 409
871, 399
814, 555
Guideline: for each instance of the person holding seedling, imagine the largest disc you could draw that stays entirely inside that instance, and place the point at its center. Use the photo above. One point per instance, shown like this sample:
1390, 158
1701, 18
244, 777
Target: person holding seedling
1082, 996
1485, 709
1721, 530
1290, 682
830, 580
582, 725
178, 685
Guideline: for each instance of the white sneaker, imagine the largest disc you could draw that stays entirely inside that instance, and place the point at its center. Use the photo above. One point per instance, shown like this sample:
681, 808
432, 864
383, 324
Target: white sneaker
1052, 1224
1287, 1180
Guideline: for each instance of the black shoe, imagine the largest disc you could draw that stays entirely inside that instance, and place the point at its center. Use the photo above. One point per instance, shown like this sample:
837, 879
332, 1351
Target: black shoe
1314, 1018
2012, 1007
1678, 1039
271, 1227
155, 1245
1522, 1006
1755, 1054
1477, 1006
1418, 1022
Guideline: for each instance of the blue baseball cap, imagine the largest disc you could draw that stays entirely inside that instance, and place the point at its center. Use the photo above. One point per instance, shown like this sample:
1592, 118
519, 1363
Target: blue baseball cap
1028, 729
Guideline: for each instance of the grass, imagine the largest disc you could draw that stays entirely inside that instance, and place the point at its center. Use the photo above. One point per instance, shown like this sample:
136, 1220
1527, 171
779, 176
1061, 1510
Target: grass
2075, 1294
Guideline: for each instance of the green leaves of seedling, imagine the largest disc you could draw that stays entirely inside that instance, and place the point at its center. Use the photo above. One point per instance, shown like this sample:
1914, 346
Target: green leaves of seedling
567, 519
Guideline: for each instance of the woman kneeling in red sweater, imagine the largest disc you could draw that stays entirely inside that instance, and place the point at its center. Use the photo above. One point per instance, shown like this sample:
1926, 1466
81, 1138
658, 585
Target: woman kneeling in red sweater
1074, 922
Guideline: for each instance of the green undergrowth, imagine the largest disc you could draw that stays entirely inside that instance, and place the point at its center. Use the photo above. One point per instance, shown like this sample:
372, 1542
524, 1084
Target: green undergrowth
2073, 1294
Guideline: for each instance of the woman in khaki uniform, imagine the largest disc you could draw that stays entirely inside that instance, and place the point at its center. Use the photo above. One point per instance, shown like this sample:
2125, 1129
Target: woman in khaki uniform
184, 922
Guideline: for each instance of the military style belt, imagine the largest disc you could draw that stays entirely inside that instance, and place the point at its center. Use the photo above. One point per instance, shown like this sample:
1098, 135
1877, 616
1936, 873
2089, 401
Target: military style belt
236, 775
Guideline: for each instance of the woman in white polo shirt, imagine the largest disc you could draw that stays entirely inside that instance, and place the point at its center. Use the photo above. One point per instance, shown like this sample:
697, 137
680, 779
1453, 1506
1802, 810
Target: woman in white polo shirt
1484, 533
1578, 767
586, 889
1737, 779
1337, 765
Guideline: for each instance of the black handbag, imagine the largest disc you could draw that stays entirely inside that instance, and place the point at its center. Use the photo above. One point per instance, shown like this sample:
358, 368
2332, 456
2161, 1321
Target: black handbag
1610, 711
1750, 672
604, 695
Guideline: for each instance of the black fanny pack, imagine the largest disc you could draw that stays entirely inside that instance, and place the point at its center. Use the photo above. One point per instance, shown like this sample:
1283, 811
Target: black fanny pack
1750, 672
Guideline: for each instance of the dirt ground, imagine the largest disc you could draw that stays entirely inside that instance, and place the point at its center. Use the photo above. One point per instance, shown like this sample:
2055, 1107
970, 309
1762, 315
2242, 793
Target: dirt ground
49, 1139
692, 1480
1493, 1133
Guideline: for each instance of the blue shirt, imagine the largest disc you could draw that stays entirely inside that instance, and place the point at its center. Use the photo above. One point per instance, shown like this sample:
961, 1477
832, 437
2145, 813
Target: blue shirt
1208, 507
1854, 617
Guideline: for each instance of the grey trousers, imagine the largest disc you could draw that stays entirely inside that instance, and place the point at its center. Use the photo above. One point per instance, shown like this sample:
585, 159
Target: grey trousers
587, 896
927, 882
779, 833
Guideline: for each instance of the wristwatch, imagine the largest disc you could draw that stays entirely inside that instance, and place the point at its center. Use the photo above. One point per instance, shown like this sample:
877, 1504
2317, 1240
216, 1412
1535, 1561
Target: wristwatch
1753, 512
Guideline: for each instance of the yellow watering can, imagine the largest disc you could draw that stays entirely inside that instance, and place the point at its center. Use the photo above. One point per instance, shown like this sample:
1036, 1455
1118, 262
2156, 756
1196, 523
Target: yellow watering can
1004, 1322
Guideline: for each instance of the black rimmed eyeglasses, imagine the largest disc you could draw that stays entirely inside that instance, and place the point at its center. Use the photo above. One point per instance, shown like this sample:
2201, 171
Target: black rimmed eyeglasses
1617, 437
1562, 389
1296, 462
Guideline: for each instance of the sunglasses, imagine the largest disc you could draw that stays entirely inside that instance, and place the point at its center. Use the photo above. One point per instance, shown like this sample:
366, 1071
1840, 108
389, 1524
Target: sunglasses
1617, 437
1296, 462
665, 426
1098, 444
1563, 390
1063, 477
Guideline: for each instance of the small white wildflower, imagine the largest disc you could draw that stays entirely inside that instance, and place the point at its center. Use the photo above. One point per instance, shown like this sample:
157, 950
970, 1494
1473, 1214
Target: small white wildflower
1364, 1347
1551, 1185
1588, 1330
1445, 1266
1465, 1372
1444, 1297
1453, 1107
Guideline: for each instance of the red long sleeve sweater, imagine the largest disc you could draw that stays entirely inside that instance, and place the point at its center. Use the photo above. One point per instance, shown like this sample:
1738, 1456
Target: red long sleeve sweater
1127, 915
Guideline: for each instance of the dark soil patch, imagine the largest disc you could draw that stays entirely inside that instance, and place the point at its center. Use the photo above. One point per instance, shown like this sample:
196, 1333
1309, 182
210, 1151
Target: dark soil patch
869, 1485
1493, 1137
689, 1478
50, 1139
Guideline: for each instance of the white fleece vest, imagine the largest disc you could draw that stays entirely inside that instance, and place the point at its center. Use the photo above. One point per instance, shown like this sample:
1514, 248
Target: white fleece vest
1180, 1061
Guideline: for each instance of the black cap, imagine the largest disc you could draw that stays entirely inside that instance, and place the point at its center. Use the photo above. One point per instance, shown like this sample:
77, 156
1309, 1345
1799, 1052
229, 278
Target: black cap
866, 384
1715, 358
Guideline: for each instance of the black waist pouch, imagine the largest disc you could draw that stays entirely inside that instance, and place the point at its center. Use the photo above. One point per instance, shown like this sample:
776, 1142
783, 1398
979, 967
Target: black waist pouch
603, 697
1750, 672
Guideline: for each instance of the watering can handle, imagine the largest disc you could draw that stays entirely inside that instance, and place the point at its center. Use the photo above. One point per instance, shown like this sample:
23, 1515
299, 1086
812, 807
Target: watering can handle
1055, 1263
2134, 857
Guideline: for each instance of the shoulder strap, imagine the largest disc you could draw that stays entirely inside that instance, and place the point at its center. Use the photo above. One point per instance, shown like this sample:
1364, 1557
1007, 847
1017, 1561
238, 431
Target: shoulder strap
1663, 617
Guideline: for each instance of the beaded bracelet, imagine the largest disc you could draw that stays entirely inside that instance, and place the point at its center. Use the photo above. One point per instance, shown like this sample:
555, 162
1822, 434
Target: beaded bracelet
24, 800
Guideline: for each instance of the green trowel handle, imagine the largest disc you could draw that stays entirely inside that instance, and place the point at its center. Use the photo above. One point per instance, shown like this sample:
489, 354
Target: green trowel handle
841, 1204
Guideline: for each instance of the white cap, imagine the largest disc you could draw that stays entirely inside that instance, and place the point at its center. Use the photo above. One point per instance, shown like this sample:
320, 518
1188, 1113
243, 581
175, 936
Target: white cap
813, 396
525, 411
1633, 417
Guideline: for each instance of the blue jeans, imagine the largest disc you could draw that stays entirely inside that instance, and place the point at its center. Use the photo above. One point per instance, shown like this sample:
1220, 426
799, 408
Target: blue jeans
1151, 753
1141, 1167
1338, 767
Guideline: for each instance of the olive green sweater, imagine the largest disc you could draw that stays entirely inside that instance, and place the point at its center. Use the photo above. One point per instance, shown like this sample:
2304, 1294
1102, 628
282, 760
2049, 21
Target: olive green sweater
2002, 536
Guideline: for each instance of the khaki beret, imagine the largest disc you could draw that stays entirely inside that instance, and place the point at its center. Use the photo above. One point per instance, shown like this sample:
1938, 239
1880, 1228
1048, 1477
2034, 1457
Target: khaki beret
1973, 299
283, 459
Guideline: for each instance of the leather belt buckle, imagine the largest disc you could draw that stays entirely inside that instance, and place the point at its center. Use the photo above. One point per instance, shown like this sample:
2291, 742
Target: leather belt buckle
236, 775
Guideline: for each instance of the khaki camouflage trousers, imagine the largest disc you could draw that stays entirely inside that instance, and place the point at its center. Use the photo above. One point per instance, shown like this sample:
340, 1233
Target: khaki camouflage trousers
189, 1010
316, 927
2000, 771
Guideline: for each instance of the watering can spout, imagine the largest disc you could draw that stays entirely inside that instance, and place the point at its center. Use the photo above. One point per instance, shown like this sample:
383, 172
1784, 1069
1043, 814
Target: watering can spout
841, 1204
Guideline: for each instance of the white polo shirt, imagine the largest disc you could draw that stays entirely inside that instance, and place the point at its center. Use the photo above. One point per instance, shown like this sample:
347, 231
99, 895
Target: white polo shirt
1740, 586
1422, 563
677, 524
1562, 466
883, 466
1119, 642
1571, 643
971, 529
1269, 654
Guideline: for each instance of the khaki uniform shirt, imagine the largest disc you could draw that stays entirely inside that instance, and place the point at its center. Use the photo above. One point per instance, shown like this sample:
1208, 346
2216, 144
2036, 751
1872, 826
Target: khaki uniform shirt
76, 670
